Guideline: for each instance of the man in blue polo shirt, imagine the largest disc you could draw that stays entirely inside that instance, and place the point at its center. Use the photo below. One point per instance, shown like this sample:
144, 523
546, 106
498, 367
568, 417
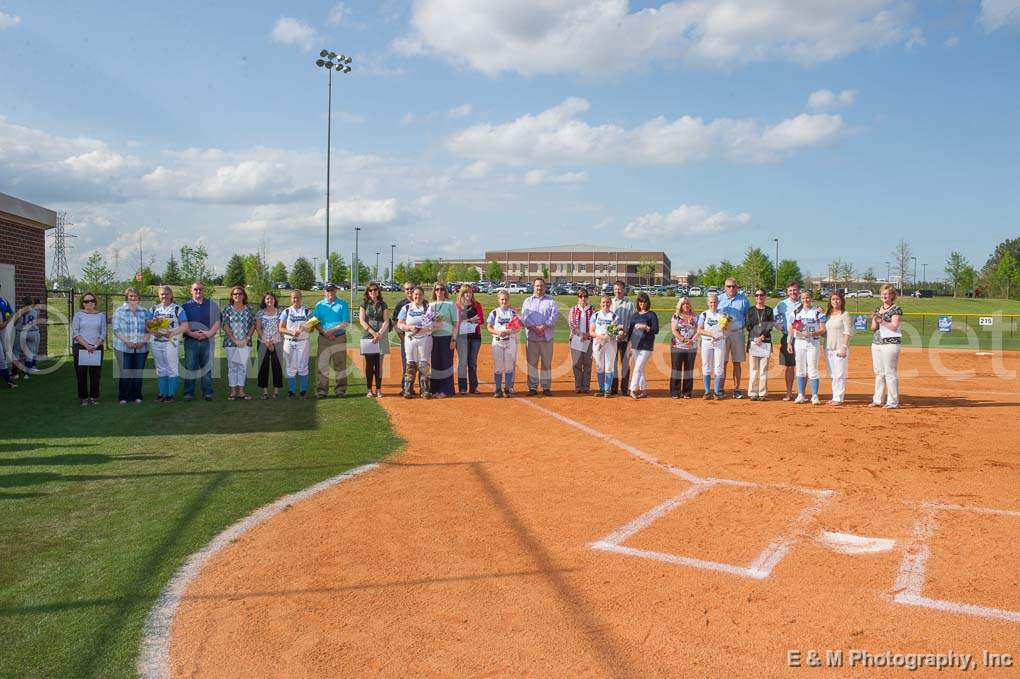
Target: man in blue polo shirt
735, 305
199, 351
334, 316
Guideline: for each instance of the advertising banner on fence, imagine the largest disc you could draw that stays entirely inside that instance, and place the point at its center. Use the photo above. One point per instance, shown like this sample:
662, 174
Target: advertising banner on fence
860, 322
945, 323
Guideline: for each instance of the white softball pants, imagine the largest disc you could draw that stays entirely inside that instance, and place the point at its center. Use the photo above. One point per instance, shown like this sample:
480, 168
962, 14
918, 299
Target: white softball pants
884, 359
637, 375
713, 357
166, 356
237, 365
806, 355
418, 348
504, 356
604, 353
295, 356
837, 372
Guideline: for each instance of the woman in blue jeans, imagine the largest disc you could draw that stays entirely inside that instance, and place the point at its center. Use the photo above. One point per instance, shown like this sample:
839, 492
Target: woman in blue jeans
469, 340
131, 342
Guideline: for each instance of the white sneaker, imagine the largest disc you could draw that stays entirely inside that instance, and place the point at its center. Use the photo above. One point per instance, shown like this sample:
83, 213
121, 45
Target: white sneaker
890, 406
800, 399
815, 401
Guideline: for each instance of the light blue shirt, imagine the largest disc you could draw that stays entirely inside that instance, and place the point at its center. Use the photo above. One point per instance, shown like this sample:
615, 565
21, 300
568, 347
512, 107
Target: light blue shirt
540, 311
332, 314
735, 307
783, 313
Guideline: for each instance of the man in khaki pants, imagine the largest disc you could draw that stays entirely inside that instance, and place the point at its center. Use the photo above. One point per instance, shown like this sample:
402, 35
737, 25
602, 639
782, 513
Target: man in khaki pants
334, 316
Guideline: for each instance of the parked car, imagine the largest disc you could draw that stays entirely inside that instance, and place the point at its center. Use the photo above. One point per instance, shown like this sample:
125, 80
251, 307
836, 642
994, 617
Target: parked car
282, 286
865, 293
517, 287
712, 289
695, 291
317, 285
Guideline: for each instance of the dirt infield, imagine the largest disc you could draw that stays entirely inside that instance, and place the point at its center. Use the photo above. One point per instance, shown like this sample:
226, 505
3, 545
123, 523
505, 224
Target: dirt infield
575, 536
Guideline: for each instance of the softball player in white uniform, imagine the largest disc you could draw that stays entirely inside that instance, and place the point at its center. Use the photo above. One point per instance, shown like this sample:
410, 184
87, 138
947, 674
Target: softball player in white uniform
604, 345
504, 345
415, 320
166, 342
713, 348
296, 344
805, 344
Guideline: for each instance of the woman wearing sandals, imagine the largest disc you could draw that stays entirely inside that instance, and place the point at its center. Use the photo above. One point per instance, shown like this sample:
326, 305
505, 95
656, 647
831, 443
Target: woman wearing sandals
683, 350
838, 331
644, 325
267, 326
885, 348
374, 317
238, 323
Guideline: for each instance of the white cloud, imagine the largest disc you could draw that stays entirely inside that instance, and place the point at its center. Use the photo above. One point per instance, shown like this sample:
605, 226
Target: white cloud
997, 14
537, 177
344, 214
407, 118
338, 13
348, 117
9, 20
475, 170
290, 31
557, 136
915, 39
560, 36
952, 41
689, 220
459, 111
826, 100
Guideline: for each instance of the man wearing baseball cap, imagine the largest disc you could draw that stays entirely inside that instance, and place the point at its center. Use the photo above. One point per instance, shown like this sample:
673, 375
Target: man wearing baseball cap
334, 316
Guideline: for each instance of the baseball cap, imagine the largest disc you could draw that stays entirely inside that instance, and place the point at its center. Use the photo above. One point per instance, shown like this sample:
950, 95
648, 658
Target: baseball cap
330, 286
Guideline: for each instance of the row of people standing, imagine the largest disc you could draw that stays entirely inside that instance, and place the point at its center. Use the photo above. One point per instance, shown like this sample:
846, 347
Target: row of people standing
19, 340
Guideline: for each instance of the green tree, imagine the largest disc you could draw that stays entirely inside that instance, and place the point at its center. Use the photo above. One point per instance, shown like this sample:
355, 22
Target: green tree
646, 269
338, 268
401, 274
789, 270
711, 276
1006, 273
148, 277
278, 273
726, 270
256, 274
234, 273
456, 272
493, 271
545, 272
301, 274
96, 275
956, 270
471, 274
172, 273
869, 278
756, 270
426, 272
194, 266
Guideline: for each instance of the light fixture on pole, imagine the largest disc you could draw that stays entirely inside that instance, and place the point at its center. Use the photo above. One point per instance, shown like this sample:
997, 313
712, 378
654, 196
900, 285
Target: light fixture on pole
376, 276
330, 61
356, 267
393, 247
777, 263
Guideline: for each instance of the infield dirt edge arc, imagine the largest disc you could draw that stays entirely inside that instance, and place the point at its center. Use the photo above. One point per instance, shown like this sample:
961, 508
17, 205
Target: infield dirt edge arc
154, 649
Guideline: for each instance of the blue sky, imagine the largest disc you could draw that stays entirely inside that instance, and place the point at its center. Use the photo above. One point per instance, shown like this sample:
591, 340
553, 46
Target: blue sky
699, 128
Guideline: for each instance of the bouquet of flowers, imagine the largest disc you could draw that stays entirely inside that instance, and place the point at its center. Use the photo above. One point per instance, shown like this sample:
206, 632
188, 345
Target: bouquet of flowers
613, 329
311, 323
515, 324
153, 325
724, 321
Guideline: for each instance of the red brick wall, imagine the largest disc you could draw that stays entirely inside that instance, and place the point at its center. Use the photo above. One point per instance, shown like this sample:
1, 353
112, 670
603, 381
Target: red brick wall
25, 248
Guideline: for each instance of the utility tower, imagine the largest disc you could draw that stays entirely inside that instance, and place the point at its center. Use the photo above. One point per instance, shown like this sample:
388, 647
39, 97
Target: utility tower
60, 273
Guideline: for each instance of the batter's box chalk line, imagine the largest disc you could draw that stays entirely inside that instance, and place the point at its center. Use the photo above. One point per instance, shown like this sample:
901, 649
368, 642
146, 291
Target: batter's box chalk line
909, 580
909, 584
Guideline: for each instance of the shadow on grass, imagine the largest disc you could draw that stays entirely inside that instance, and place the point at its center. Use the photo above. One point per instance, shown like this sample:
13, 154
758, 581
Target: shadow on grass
39, 478
21, 496
86, 458
23, 447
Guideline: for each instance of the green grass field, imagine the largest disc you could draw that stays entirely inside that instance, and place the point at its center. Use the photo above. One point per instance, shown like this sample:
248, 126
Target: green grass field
99, 505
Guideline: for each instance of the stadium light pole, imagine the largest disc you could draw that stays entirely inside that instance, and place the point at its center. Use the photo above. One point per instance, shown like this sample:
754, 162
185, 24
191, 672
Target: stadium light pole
915, 271
777, 262
393, 246
924, 272
330, 60
376, 266
888, 272
356, 267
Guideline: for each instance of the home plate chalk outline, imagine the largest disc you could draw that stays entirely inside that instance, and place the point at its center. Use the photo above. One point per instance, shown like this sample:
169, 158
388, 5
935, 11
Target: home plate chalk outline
909, 582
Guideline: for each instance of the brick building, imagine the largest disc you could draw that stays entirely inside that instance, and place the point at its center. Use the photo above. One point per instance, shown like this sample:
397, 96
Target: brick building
584, 264
23, 251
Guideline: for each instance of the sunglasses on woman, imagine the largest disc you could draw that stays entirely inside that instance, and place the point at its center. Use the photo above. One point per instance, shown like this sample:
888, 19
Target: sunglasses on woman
88, 301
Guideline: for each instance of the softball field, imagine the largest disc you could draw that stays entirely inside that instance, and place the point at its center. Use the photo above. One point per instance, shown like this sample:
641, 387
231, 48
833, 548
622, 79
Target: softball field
576, 536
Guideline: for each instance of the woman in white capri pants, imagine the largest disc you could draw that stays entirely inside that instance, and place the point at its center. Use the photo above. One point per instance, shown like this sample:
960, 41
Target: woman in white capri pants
238, 322
605, 331
885, 348
713, 347
504, 331
807, 324
169, 322
296, 344
838, 331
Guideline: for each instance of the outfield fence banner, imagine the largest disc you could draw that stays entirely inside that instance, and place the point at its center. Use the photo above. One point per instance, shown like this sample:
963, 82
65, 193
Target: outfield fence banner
945, 323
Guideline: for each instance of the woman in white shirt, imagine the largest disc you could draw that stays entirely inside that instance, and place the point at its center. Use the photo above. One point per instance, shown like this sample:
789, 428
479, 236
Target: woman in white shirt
885, 348
806, 325
713, 347
838, 331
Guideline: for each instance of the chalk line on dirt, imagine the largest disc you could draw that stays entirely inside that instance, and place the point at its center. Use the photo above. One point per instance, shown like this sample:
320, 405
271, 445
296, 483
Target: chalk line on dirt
154, 652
